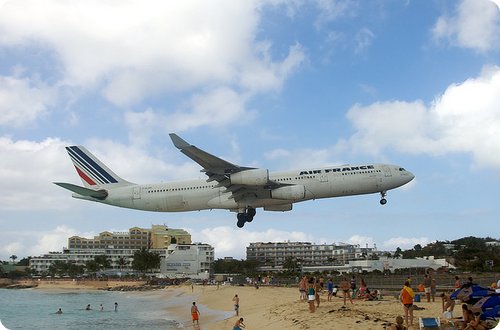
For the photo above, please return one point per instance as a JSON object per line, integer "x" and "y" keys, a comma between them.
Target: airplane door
{"x": 136, "y": 193}
{"x": 323, "y": 177}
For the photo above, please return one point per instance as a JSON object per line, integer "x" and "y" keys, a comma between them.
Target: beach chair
{"x": 429, "y": 323}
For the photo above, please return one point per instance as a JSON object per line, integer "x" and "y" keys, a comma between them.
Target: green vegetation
{"x": 467, "y": 253}
{"x": 145, "y": 261}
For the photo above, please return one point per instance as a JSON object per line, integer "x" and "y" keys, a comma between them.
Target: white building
{"x": 274, "y": 254}
{"x": 383, "y": 264}
{"x": 187, "y": 260}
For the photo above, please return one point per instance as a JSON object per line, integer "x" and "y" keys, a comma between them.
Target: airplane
{"x": 229, "y": 186}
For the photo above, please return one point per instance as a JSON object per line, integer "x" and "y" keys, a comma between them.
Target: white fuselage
{"x": 318, "y": 183}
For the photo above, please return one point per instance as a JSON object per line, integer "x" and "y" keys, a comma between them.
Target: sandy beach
{"x": 272, "y": 307}
{"x": 280, "y": 308}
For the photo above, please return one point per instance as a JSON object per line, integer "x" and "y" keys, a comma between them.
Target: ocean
{"x": 36, "y": 309}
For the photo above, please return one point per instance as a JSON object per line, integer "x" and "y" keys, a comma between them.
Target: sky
{"x": 274, "y": 84}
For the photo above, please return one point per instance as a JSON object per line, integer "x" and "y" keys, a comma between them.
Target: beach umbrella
{"x": 488, "y": 302}
{"x": 471, "y": 294}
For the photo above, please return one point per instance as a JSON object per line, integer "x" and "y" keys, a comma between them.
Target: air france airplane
{"x": 236, "y": 188}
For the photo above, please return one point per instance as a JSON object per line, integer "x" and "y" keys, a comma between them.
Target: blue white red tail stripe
{"x": 88, "y": 169}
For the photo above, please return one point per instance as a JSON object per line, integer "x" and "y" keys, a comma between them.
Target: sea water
{"x": 36, "y": 309}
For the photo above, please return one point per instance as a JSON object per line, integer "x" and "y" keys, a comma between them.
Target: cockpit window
{"x": 401, "y": 169}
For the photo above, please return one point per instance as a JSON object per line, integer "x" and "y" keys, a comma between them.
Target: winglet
{"x": 178, "y": 142}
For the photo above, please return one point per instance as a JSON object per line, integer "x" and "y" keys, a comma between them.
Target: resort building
{"x": 274, "y": 254}
{"x": 174, "y": 246}
{"x": 158, "y": 237}
{"x": 188, "y": 260}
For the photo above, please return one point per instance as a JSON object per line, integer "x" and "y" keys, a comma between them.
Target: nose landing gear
{"x": 246, "y": 216}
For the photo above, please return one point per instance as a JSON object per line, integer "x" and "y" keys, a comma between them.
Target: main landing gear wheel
{"x": 246, "y": 216}
{"x": 383, "y": 201}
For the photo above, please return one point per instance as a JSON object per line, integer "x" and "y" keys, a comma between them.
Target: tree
{"x": 145, "y": 261}
{"x": 13, "y": 257}
{"x": 290, "y": 264}
{"x": 58, "y": 268}
{"x": 24, "y": 261}
{"x": 122, "y": 262}
{"x": 102, "y": 261}
{"x": 398, "y": 253}
{"x": 91, "y": 266}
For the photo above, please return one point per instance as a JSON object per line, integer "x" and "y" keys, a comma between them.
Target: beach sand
{"x": 280, "y": 308}
{"x": 272, "y": 307}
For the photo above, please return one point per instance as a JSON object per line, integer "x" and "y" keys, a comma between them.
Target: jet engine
{"x": 256, "y": 177}
{"x": 292, "y": 193}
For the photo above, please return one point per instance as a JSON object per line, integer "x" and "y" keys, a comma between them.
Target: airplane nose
{"x": 410, "y": 175}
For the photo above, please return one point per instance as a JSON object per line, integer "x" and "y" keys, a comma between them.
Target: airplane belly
{"x": 176, "y": 203}
{"x": 222, "y": 201}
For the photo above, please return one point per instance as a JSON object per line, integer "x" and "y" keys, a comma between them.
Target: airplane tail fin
{"x": 91, "y": 170}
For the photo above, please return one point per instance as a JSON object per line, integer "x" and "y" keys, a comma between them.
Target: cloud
{"x": 230, "y": 241}
{"x": 475, "y": 25}
{"x": 35, "y": 243}
{"x": 360, "y": 240}
{"x": 23, "y": 101}
{"x": 31, "y": 164}
{"x": 28, "y": 168}
{"x": 216, "y": 108}
{"x": 404, "y": 243}
{"x": 364, "y": 39}
{"x": 464, "y": 119}
{"x": 135, "y": 49}
{"x": 330, "y": 10}
{"x": 54, "y": 240}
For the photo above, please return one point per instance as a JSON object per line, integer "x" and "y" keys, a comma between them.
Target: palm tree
{"x": 122, "y": 262}
{"x": 13, "y": 257}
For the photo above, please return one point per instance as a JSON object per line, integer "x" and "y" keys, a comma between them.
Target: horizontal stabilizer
{"x": 99, "y": 194}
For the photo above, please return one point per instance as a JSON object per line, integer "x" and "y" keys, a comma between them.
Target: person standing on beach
{"x": 345, "y": 287}
{"x": 329, "y": 286}
{"x": 116, "y": 306}
{"x": 195, "y": 313}
{"x": 433, "y": 290}
{"x": 317, "y": 290}
{"x": 458, "y": 283}
{"x": 427, "y": 287}
{"x": 310, "y": 294}
{"x": 406, "y": 297}
{"x": 302, "y": 288}
{"x": 236, "y": 300}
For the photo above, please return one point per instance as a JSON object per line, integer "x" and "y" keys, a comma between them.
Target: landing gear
{"x": 246, "y": 216}
{"x": 383, "y": 201}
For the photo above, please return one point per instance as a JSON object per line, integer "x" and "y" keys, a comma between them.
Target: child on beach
{"x": 195, "y": 313}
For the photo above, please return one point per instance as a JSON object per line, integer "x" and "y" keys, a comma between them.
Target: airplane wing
{"x": 219, "y": 170}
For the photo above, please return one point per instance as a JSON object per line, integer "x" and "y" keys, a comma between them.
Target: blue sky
{"x": 273, "y": 84}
